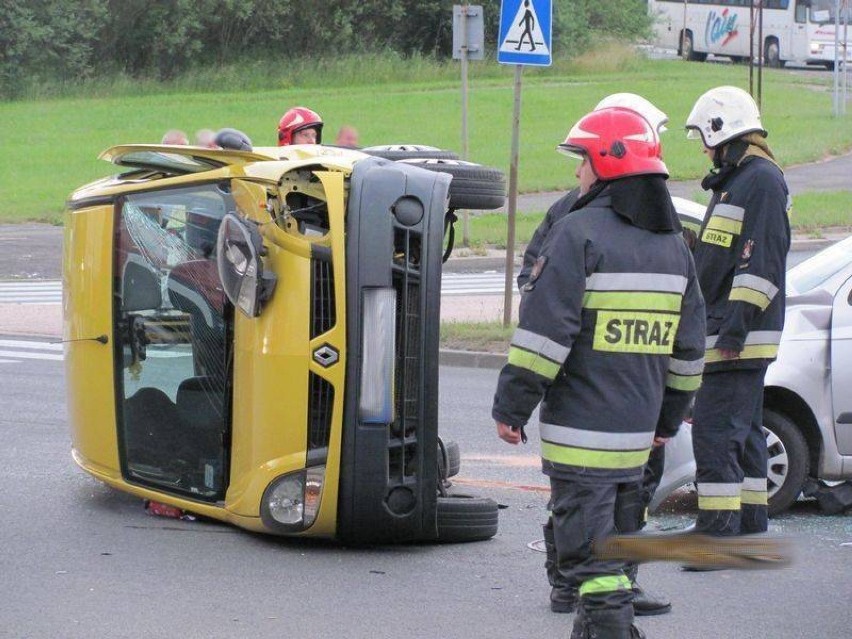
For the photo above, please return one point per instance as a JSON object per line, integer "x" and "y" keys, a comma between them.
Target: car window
{"x": 170, "y": 162}
{"x": 172, "y": 335}
{"x": 816, "y": 270}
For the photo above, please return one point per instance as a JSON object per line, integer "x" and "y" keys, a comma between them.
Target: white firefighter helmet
{"x": 640, "y": 105}
{"x": 722, "y": 114}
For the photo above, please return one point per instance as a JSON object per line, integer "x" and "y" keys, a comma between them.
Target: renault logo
{"x": 326, "y": 356}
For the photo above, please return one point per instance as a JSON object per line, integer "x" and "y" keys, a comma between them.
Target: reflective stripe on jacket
{"x": 740, "y": 258}
{"x": 611, "y": 337}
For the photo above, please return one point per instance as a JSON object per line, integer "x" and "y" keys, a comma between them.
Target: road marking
{"x": 31, "y": 292}
{"x": 526, "y": 461}
{"x": 31, "y": 344}
{"x": 13, "y": 351}
{"x": 473, "y": 283}
{"x": 485, "y": 483}
{"x": 27, "y": 355}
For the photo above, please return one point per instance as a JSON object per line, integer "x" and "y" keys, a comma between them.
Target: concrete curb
{"x": 472, "y": 359}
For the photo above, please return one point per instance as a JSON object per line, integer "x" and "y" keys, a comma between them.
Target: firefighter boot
{"x": 563, "y": 598}
{"x": 645, "y": 604}
{"x": 609, "y": 624}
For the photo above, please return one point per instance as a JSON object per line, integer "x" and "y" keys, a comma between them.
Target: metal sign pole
{"x": 845, "y": 56}
{"x": 751, "y": 50}
{"x": 761, "y": 59}
{"x": 464, "y": 43}
{"x": 837, "y": 60}
{"x": 513, "y": 200}
{"x": 683, "y": 34}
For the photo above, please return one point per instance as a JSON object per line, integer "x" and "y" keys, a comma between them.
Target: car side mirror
{"x": 239, "y": 248}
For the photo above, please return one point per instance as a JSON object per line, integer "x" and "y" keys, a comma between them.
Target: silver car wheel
{"x": 779, "y": 463}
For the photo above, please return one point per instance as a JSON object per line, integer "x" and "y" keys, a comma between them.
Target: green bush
{"x": 54, "y": 42}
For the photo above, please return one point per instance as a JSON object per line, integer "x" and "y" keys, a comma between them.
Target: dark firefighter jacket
{"x": 559, "y": 209}
{"x": 611, "y": 337}
{"x": 740, "y": 259}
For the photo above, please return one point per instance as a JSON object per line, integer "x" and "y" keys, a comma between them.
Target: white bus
{"x": 799, "y": 31}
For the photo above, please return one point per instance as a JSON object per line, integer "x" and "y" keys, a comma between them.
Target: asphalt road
{"x": 82, "y": 560}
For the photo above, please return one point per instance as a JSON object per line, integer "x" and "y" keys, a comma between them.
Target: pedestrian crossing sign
{"x": 525, "y": 33}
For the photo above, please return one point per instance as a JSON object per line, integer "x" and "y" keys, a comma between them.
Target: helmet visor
{"x": 692, "y": 133}
{"x": 575, "y": 152}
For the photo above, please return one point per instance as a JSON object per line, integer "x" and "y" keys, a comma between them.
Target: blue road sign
{"x": 525, "y": 32}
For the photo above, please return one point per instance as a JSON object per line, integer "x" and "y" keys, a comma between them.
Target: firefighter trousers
{"x": 582, "y": 512}
{"x": 730, "y": 453}
{"x": 631, "y": 512}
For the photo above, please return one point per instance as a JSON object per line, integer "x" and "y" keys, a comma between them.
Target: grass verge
{"x": 488, "y": 337}
{"x": 52, "y": 145}
{"x": 811, "y": 212}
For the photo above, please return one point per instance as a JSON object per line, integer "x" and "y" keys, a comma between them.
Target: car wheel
{"x": 462, "y": 518}
{"x": 473, "y": 187}
{"x": 788, "y": 462}
{"x": 688, "y": 49}
{"x": 397, "y": 152}
{"x": 772, "y": 55}
{"x": 449, "y": 457}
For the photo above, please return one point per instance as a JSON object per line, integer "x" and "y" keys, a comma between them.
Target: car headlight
{"x": 378, "y": 353}
{"x": 239, "y": 248}
{"x": 291, "y": 502}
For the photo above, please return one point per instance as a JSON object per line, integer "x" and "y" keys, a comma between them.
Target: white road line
{"x": 473, "y": 283}
{"x": 21, "y": 343}
{"x": 31, "y": 292}
{"x": 28, "y": 355}
{"x": 31, "y": 284}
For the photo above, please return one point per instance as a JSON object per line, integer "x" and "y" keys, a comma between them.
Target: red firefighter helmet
{"x": 296, "y": 119}
{"x": 618, "y": 142}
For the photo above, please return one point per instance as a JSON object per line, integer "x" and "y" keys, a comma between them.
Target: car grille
{"x": 403, "y": 431}
{"x": 323, "y": 315}
{"x": 321, "y": 394}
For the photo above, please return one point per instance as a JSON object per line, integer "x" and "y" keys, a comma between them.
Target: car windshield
{"x": 170, "y": 162}
{"x": 818, "y": 269}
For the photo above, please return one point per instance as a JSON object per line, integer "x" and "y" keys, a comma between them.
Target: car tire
{"x": 398, "y": 152}
{"x": 450, "y": 456}
{"x": 772, "y": 54}
{"x": 462, "y": 518}
{"x": 789, "y": 461}
{"x": 474, "y": 186}
{"x": 687, "y": 51}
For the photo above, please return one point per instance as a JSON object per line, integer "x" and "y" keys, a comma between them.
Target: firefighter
{"x": 300, "y": 125}
{"x": 611, "y": 335}
{"x": 563, "y": 598}
{"x": 740, "y": 259}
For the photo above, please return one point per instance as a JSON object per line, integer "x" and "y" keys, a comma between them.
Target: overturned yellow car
{"x": 252, "y": 336}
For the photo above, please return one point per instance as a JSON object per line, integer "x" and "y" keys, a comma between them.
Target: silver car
{"x": 808, "y": 389}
